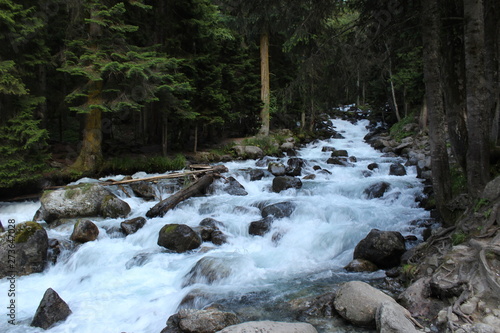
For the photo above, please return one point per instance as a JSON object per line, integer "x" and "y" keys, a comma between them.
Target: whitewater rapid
{"x": 132, "y": 285}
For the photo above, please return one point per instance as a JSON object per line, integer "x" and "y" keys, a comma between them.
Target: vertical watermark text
{"x": 11, "y": 278}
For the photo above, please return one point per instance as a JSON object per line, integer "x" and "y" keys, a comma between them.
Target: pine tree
{"x": 112, "y": 72}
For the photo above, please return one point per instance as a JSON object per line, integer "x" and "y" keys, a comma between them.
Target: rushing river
{"x": 131, "y": 285}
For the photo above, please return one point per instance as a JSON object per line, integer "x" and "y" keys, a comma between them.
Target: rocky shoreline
{"x": 439, "y": 285}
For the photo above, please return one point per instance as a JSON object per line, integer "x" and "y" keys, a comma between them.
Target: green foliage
{"x": 458, "y": 238}
{"x": 23, "y": 146}
{"x": 480, "y": 204}
{"x": 409, "y": 271}
{"x": 129, "y": 165}
{"x": 397, "y": 130}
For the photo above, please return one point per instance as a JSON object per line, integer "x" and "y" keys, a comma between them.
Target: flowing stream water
{"x": 132, "y": 285}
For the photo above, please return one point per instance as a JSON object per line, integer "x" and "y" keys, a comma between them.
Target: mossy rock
{"x": 25, "y": 230}
{"x": 179, "y": 238}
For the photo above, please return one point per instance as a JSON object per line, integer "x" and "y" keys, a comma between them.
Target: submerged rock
{"x": 132, "y": 226}
{"x": 208, "y": 270}
{"x": 397, "y": 169}
{"x": 261, "y": 227}
{"x": 51, "y": 310}
{"x": 276, "y": 168}
{"x": 361, "y": 265}
{"x": 179, "y": 238}
{"x": 376, "y": 190}
{"x": 31, "y": 247}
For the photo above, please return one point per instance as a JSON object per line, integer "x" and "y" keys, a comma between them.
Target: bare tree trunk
{"x": 478, "y": 154}
{"x": 265, "y": 83}
{"x": 441, "y": 178}
{"x": 90, "y": 157}
{"x": 393, "y": 91}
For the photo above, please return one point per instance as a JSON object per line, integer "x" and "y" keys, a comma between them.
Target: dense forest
{"x": 85, "y": 82}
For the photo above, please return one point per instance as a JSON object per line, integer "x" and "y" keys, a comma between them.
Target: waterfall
{"x": 132, "y": 285}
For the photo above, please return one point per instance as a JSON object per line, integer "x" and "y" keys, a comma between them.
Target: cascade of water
{"x": 131, "y": 285}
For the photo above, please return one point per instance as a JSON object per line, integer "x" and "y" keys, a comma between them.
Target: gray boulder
{"x": 276, "y": 168}
{"x": 376, "y": 190}
{"x": 339, "y": 153}
{"x": 179, "y": 238}
{"x": 270, "y": 327}
{"x": 383, "y": 248}
{"x": 256, "y": 174}
{"x": 84, "y": 231}
{"x": 31, "y": 245}
{"x": 143, "y": 190}
{"x": 133, "y": 225}
{"x": 392, "y": 318}
{"x": 86, "y": 200}
{"x": 417, "y": 299}
{"x": 251, "y": 152}
{"x": 200, "y": 321}
{"x": 285, "y": 182}
{"x": 52, "y": 309}
{"x": 492, "y": 190}
{"x": 397, "y": 169}
{"x": 357, "y": 302}
{"x": 233, "y": 187}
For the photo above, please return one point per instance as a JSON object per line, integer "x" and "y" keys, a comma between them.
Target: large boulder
{"x": 285, "y": 182}
{"x": 200, "y": 321}
{"x": 276, "y": 168}
{"x": 31, "y": 244}
{"x": 86, "y": 200}
{"x": 261, "y": 227}
{"x": 492, "y": 190}
{"x": 357, "y": 302}
{"x": 383, "y": 248}
{"x": 250, "y": 152}
{"x": 417, "y": 299}
{"x": 52, "y": 309}
{"x": 131, "y": 226}
{"x": 84, "y": 231}
{"x": 143, "y": 189}
{"x": 270, "y": 327}
{"x": 376, "y": 190}
{"x": 278, "y": 210}
{"x": 179, "y": 238}
{"x": 392, "y": 318}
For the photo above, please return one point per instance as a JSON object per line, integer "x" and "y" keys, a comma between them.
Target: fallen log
{"x": 199, "y": 187}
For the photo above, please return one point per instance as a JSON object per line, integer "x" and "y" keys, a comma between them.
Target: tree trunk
{"x": 454, "y": 73}
{"x": 90, "y": 157}
{"x": 393, "y": 91}
{"x": 478, "y": 172}
{"x": 164, "y": 135}
{"x": 265, "y": 83}
{"x": 441, "y": 178}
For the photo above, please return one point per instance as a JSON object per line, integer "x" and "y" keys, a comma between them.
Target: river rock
{"x": 295, "y": 166}
{"x": 372, "y": 166}
{"x": 51, "y": 310}
{"x": 233, "y": 187}
{"x": 200, "y": 321}
{"x": 342, "y": 161}
{"x": 397, "y": 169}
{"x": 357, "y": 302}
{"x": 250, "y": 152}
{"x": 86, "y": 200}
{"x": 113, "y": 207}
{"x": 84, "y": 231}
{"x": 30, "y": 242}
{"x": 391, "y": 318}
{"x": 339, "y": 153}
{"x": 361, "y": 265}
{"x": 492, "y": 190}
{"x": 383, "y": 248}
{"x": 256, "y": 174}
{"x": 376, "y": 190}
{"x": 285, "y": 182}
{"x": 416, "y": 298}
{"x": 270, "y": 327}
{"x": 143, "y": 189}
{"x": 208, "y": 270}
{"x": 179, "y": 238}
{"x": 264, "y": 161}
{"x": 278, "y": 210}
{"x": 131, "y": 226}
{"x": 261, "y": 227}
{"x": 276, "y": 168}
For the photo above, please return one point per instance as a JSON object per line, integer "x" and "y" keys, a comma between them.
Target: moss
{"x": 458, "y": 238}
{"x": 169, "y": 228}
{"x": 71, "y": 193}
{"x": 25, "y": 230}
{"x": 397, "y": 131}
